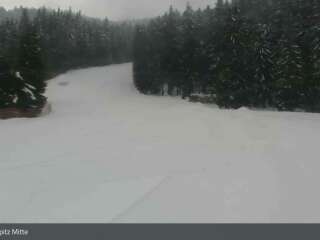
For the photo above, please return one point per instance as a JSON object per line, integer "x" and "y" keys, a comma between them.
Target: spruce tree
{"x": 30, "y": 69}
{"x": 262, "y": 65}
{"x": 6, "y": 91}
{"x": 171, "y": 39}
{"x": 255, "y": 53}
{"x": 288, "y": 90}
{"x": 234, "y": 82}
{"x": 314, "y": 103}
{"x": 188, "y": 56}
{"x": 202, "y": 58}
{"x": 141, "y": 72}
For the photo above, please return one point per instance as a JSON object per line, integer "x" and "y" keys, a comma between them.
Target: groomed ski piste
{"x": 107, "y": 154}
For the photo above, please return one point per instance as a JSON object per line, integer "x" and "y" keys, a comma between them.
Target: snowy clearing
{"x": 108, "y": 154}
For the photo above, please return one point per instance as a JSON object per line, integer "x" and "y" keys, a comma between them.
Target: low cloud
{"x": 113, "y": 9}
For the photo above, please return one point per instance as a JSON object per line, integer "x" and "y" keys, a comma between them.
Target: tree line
{"x": 253, "y": 53}
{"x": 38, "y": 44}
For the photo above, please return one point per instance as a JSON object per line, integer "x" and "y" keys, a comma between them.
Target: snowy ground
{"x": 109, "y": 154}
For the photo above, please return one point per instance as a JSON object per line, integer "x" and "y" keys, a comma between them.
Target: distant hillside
{"x": 15, "y": 13}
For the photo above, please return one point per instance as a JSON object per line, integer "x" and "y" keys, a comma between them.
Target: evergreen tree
{"x": 234, "y": 80}
{"x": 202, "y": 58}
{"x": 262, "y": 65}
{"x": 314, "y": 84}
{"x": 188, "y": 56}
{"x": 6, "y": 97}
{"x": 30, "y": 68}
{"x": 140, "y": 57}
{"x": 171, "y": 51}
{"x": 289, "y": 77}
{"x": 254, "y": 53}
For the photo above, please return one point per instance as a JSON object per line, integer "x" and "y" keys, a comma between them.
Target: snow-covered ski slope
{"x": 109, "y": 154}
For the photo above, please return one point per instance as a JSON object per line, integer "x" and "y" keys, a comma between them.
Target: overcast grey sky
{"x": 113, "y": 9}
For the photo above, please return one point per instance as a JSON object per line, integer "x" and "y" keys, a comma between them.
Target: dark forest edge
{"x": 38, "y": 44}
{"x": 244, "y": 53}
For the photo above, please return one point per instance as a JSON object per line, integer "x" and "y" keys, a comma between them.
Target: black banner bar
{"x": 160, "y": 231}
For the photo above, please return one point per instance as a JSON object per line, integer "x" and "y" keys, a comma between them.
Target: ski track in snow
{"x": 109, "y": 154}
